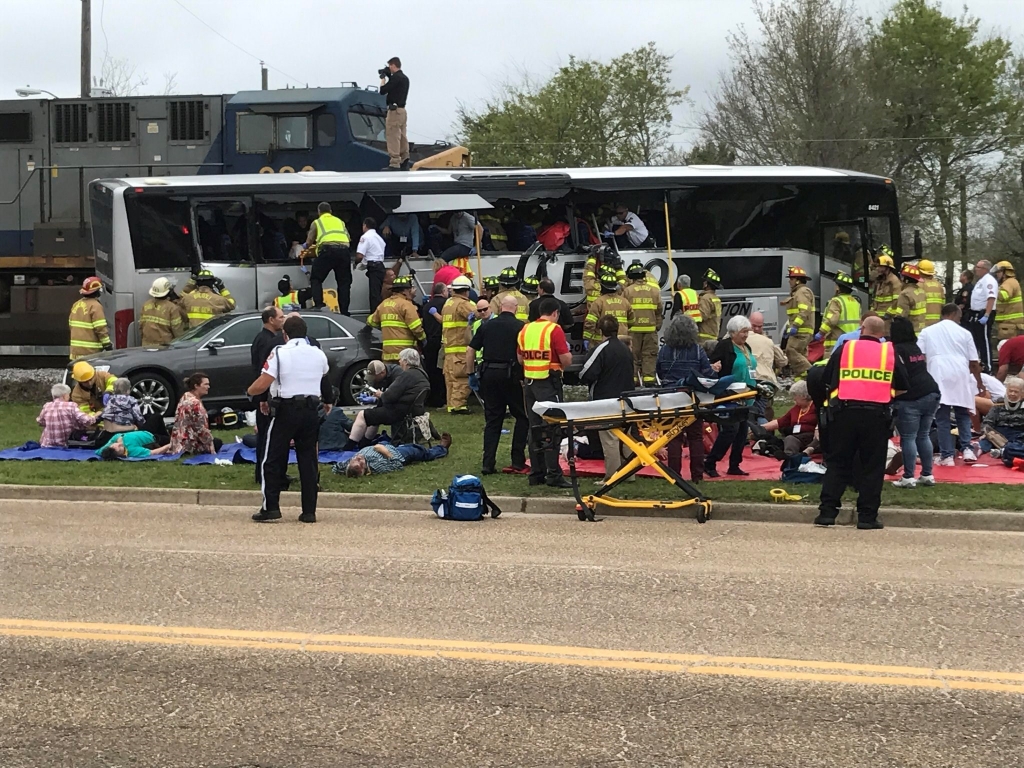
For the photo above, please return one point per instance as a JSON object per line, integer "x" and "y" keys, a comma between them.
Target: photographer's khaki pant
{"x": 397, "y": 138}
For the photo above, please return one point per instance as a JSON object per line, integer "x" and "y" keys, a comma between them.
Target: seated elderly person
{"x": 380, "y": 376}
{"x": 60, "y": 418}
{"x": 381, "y": 459}
{"x": 92, "y": 387}
{"x": 798, "y": 423}
{"x": 396, "y": 402}
{"x": 122, "y": 412}
{"x": 132, "y": 445}
{"x": 1005, "y": 422}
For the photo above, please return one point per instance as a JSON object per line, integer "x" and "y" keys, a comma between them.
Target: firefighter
{"x": 933, "y": 288}
{"x": 1009, "y": 306}
{"x": 398, "y": 319}
{"x": 842, "y": 315}
{"x": 92, "y": 388}
{"x": 886, "y": 287}
{"x": 205, "y": 297}
{"x": 600, "y": 256}
{"x": 645, "y": 301}
{"x": 861, "y": 379}
{"x": 686, "y": 300}
{"x": 87, "y": 322}
{"x": 162, "y": 320}
{"x": 608, "y": 303}
{"x": 508, "y": 278}
{"x": 531, "y": 287}
{"x": 455, "y": 319}
{"x": 800, "y": 310}
{"x": 710, "y": 308}
{"x": 912, "y": 303}
{"x": 491, "y": 287}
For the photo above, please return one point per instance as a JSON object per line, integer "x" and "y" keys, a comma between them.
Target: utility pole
{"x": 263, "y": 76}
{"x": 86, "y": 48}
{"x": 963, "y": 220}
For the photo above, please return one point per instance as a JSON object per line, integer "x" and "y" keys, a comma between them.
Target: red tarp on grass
{"x": 987, "y": 470}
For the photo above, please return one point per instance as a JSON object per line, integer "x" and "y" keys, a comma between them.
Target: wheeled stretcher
{"x": 644, "y": 421}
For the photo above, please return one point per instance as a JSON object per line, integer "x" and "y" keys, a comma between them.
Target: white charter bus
{"x": 747, "y": 223}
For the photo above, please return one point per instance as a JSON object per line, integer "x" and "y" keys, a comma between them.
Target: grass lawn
{"x": 19, "y": 425}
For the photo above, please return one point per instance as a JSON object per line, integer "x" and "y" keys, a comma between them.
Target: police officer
{"x": 800, "y": 310}
{"x": 544, "y": 353}
{"x": 266, "y": 340}
{"x": 205, "y": 297}
{"x": 330, "y": 235}
{"x": 686, "y": 300}
{"x": 842, "y": 315}
{"x": 645, "y": 301}
{"x": 862, "y": 378}
{"x": 710, "y": 307}
{"x": 608, "y": 303}
{"x": 455, "y": 319}
{"x": 293, "y": 373}
{"x": 87, "y": 322}
{"x": 501, "y": 384}
{"x": 509, "y": 280}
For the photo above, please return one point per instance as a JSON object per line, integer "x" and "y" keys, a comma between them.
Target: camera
{"x": 384, "y": 72}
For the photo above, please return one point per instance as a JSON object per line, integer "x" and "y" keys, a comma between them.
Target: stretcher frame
{"x": 656, "y": 428}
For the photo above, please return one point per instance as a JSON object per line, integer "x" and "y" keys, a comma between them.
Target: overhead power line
{"x": 250, "y": 54}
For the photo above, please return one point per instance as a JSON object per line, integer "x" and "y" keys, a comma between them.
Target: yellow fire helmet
{"x": 886, "y": 261}
{"x": 1006, "y": 267}
{"x": 926, "y": 267}
{"x": 82, "y": 372}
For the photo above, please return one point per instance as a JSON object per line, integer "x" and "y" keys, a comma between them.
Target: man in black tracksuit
{"x": 501, "y": 384}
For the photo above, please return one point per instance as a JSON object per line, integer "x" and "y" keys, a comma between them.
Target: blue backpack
{"x": 466, "y": 499}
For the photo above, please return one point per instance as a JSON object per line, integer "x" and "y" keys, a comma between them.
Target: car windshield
{"x": 192, "y": 335}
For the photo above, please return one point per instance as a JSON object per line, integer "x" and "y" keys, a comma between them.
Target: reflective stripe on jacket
{"x": 88, "y": 327}
{"x": 455, "y": 324}
{"x": 645, "y": 301}
{"x": 400, "y": 325}
{"x": 535, "y": 347}
{"x": 330, "y": 229}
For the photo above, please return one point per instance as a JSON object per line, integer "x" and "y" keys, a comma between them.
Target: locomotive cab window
{"x": 16, "y": 127}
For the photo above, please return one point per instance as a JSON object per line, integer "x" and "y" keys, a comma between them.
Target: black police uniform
{"x": 856, "y": 435}
{"x": 262, "y": 346}
{"x": 501, "y": 387}
{"x": 298, "y": 369}
{"x": 565, "y": 318}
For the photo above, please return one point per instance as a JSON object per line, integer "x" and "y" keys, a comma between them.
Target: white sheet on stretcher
{"x": 592, "y": 409}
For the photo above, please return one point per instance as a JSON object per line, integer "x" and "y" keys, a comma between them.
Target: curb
{"x": 964, "y": 520}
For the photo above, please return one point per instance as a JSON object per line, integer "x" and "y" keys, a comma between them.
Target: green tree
{"x": 950, "y": 103}
{"x": 794, "y": 94}
{"x": 588, "y": 113}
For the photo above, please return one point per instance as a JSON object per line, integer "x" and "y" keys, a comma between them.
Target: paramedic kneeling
{"x": 862, "y": 377}
{"x": 544, "y": 354}
{"x": 292, "y": 373}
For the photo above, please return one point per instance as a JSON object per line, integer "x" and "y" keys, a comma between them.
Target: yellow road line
{"x": 554, "y": 655}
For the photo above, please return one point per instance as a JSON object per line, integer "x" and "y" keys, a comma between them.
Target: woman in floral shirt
{"x": 191, "y": 432}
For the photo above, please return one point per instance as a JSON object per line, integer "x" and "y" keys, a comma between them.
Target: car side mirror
{"x": 214, "y": 344}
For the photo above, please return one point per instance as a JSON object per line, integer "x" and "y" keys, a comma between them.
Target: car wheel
{"x": 352, "y": 382}
{"x": 154, "y": 393}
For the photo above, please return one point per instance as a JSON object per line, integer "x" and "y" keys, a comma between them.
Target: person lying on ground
{"x": 798, "y": 423}
{"x": 1005, "y": 422}
{"x": 191, "y": 431}
{"x": 122, "y": 412}
{"x": 132, "y": 445}
{"x": 381, "y": 459}
{"x": 60, "y": 418}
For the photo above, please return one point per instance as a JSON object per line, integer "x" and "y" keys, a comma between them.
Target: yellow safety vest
{"x": 330, "y": 229}
{"x": 535, "y": 346}
{"x": 690, "y": 303}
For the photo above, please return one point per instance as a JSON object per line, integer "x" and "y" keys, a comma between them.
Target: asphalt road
{"x": 175, "y": 636}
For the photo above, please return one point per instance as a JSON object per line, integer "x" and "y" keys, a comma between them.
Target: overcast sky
{"x": 452, "y": 50}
